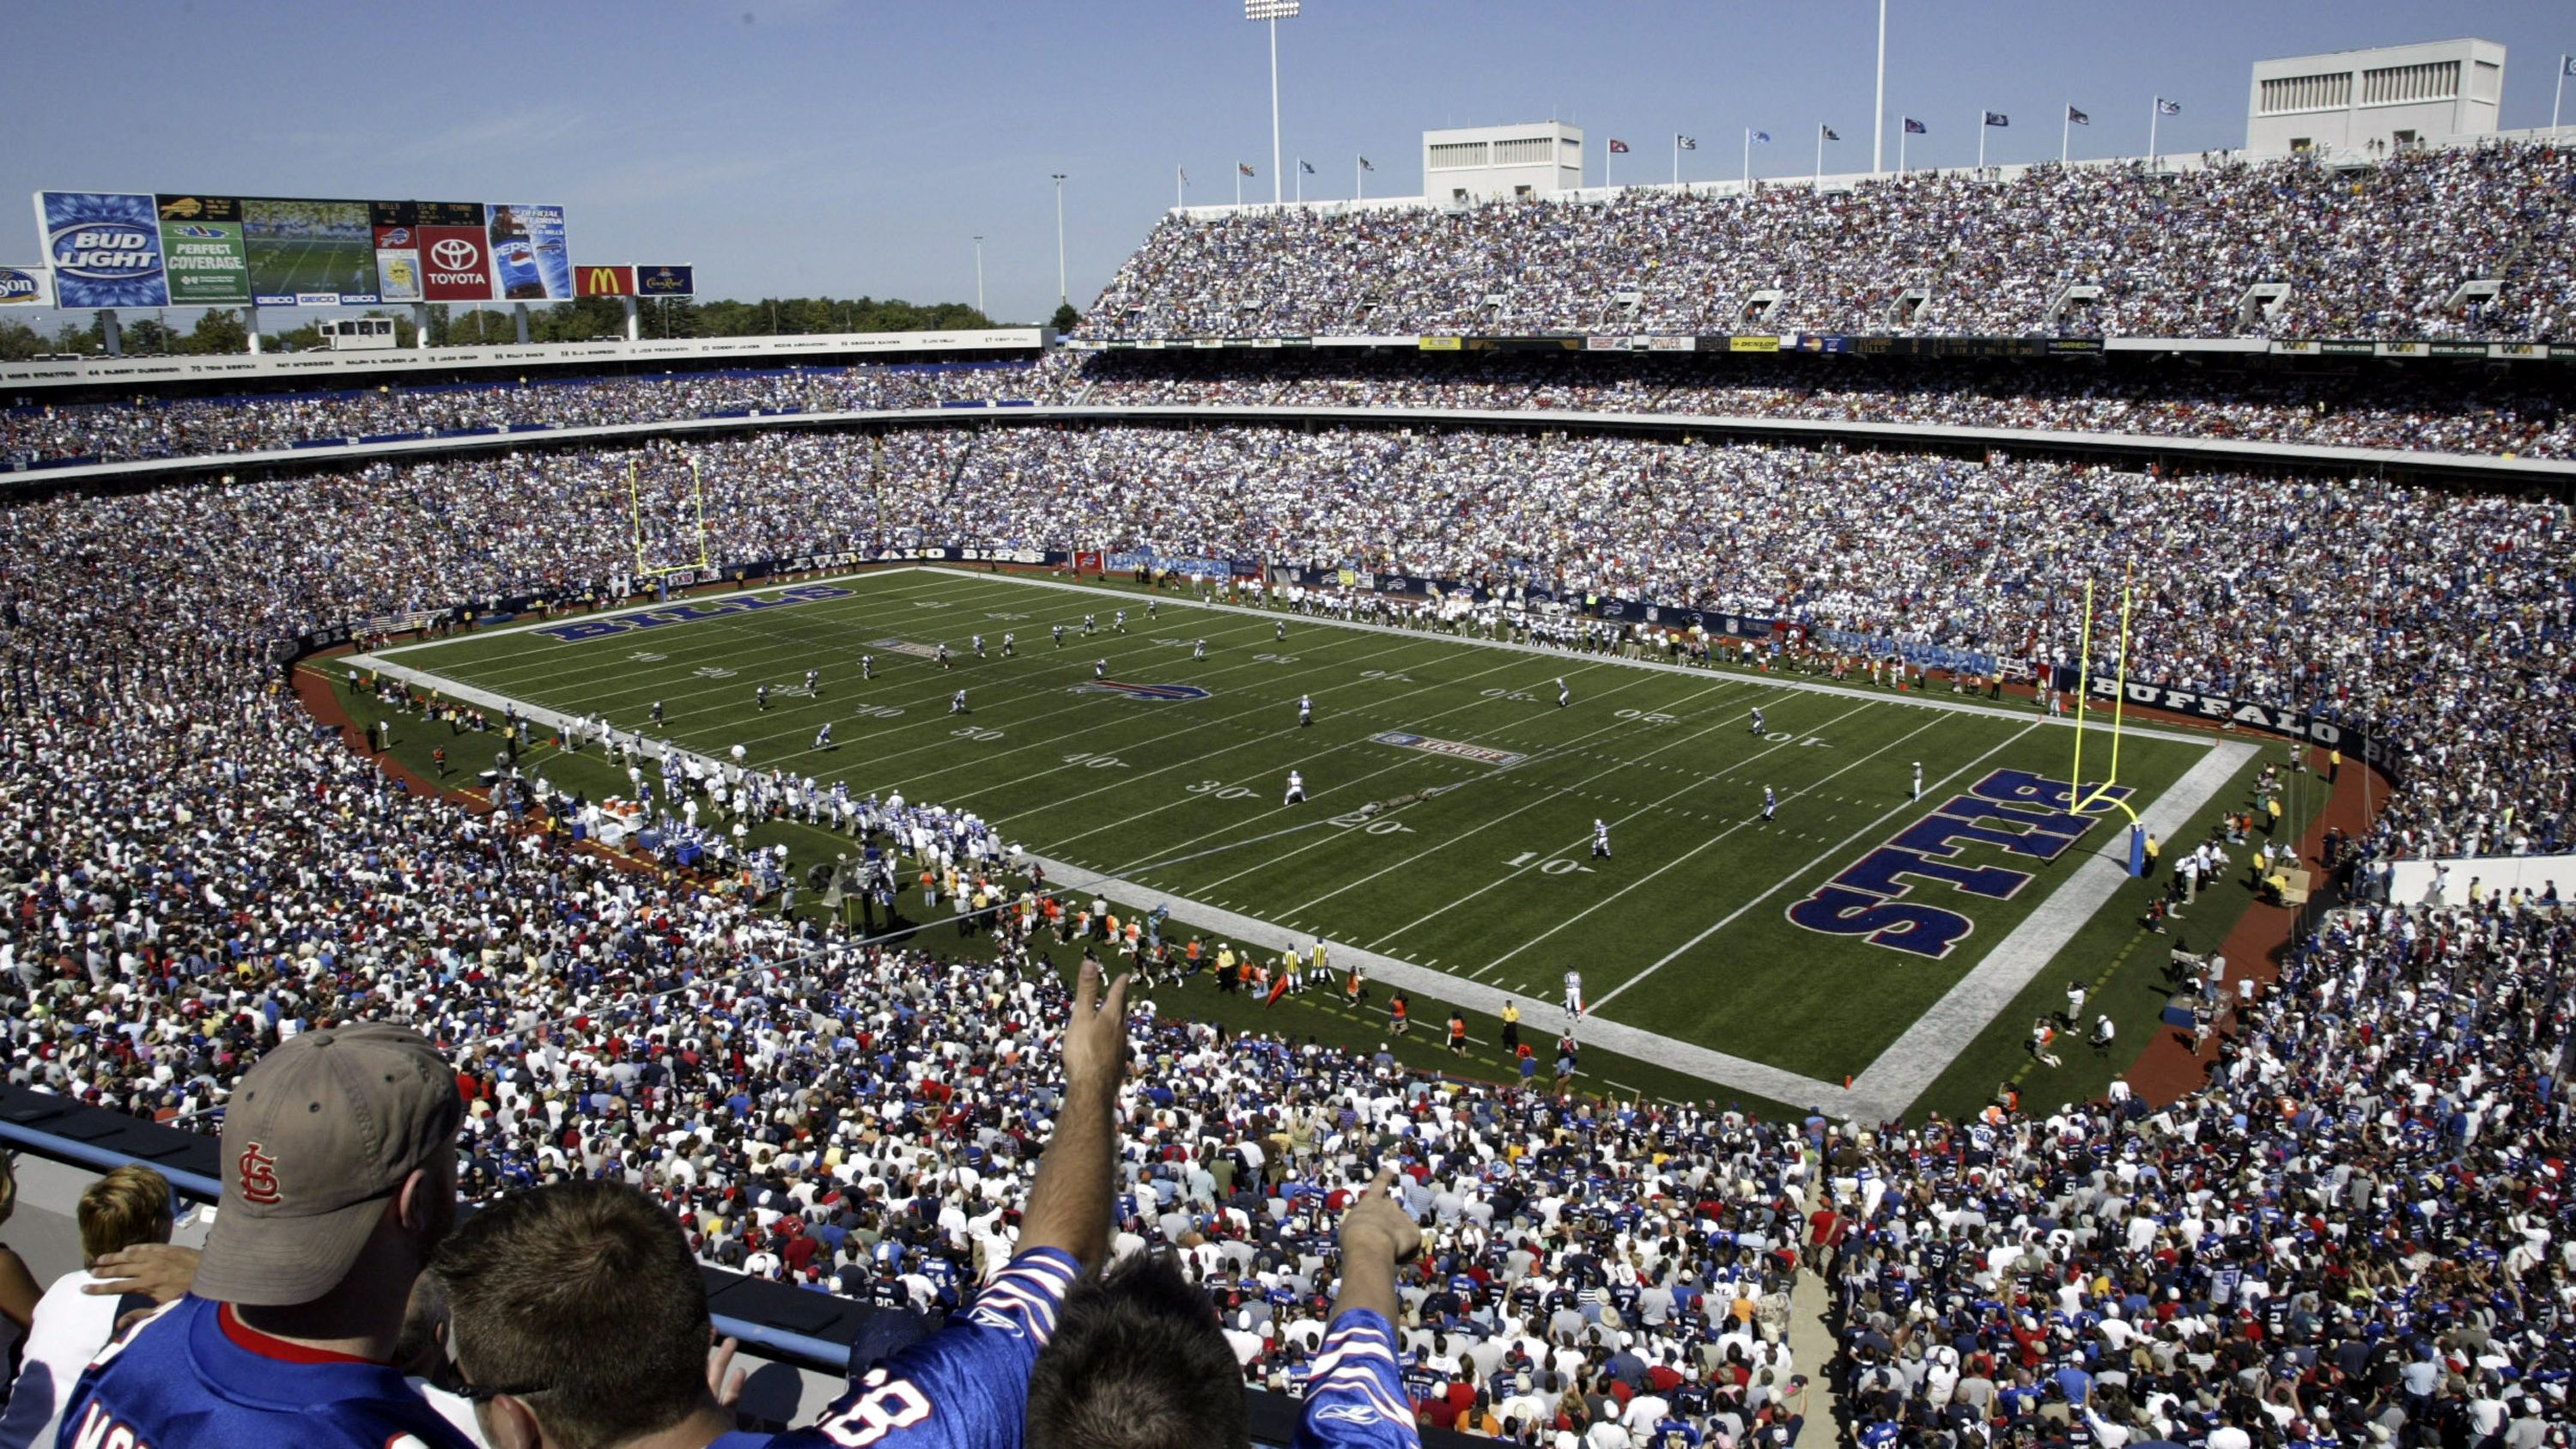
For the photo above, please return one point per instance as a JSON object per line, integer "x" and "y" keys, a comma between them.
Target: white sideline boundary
{"x": 1883, "y": 1090}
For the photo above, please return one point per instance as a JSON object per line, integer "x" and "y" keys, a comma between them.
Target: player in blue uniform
{"x": 594, "y": 1263}
{"x": 339, "y": 1162}
{"x": 1770, "y": 802}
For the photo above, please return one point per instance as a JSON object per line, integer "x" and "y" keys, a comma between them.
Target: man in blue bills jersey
{"x": 339, "y": 1181}
{"x": 579, "y": 1317}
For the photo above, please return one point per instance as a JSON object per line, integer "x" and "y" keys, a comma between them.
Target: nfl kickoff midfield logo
{"x": 1141, "y": 691}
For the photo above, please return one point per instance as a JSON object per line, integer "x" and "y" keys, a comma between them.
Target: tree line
{"x": 223, "y": 330}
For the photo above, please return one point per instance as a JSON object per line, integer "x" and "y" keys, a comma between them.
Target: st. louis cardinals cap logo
{"x": 258, "y": 1176}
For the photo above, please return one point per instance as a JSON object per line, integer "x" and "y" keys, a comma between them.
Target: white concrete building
{"x": 1479, "y": 163}
{"x": 2364, "y": 103}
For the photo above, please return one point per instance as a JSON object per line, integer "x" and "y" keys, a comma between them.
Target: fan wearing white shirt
{"x": 127, "y": 1207}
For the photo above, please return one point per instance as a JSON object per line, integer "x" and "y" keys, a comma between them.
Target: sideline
{"x": 1882, "y": 1091}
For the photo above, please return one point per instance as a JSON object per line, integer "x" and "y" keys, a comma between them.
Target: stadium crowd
{"x": 2356, "y": 1234}
{"x": 2429, "y": 414}
{"x": 186, "y": 427}
{"x": 2440, "y": 412}
{"x": 2377, "y": 251}
{"x": 199, "y": 874}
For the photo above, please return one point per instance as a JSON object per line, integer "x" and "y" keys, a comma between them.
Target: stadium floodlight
{"x": 1061, "y": 299}
{"x": 1272, "y": 11}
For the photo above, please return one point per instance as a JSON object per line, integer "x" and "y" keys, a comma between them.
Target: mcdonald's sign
{"x": 589, "y": 281}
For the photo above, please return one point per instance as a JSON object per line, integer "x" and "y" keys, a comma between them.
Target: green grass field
{"x": 1470, "y": 860}
{"x": 312, "y": 264}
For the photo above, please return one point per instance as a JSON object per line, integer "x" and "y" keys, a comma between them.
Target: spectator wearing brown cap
{"x": 339, "y": 1180}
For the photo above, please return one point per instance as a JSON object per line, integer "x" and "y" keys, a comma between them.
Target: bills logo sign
{"x": 2021, "y": 814}
{"x": 1141, "y": 691}
{"x": 581, "y": 629}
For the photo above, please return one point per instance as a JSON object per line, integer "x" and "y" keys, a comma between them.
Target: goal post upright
{"x": 2083, "y": 682}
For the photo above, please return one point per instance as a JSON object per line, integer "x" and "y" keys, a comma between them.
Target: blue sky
{"x": 800, "y": 146}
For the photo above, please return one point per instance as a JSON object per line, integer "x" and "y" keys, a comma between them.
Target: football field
{"x": 1447, "y": 841}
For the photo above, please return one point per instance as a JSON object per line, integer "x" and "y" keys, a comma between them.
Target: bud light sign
{"x": 104, "y": 248}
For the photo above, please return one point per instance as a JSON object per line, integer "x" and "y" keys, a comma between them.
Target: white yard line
{"x": 1882, "y": 1091}
{"x": 1828, "y": 853}
{"x": 1536, "y": 1015}
{"x": 1915, "y": 1060}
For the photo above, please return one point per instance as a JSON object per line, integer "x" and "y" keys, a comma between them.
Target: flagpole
{"x": 1301, "y": 181}
{"x": 1900, "y": 150}
{"x": 2065, "y": 129}
{"x": 1878, "y": 127}
{"x": 1981, "y": 140}
{"x": 1748, "y": 160}
{"x": 1677, "y": 158}
{"x": 1274, "y": 110}
{"x": 1820, "y": 158}
{"x": 2555, "y": 96}
{"x": 1238, "y": 183}
{"x": 2155, "y": 109}
{"x": 1180, "y": 188}
{"x": 1359, "y": 178}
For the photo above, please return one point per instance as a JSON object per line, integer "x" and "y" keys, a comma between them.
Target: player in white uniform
{"x": 814, "y": 682}
{"x": 1600, "y": 839}
{"x": 979, "y": 646}
{"x": 1100, "y": 669}
{"x": 867, "y": 666}
{"x": 1770, "y": 802}
{"x": 1574, "y": 993}
{"x": 957, "y": 702}
{"x": 1305, "y": 710}
{"x": 1122, "y": 621}
{"x": 1059, "y": 636}
{"x": 823, "y": 736}
{"x": 1010, "y": 645}
{"x": 1199, "y": 650}
{"x": 1918, "y": 780}
{"x": 1564, "y": 696}
{"x": 944, "y": 661}
{"x": 761, "y": 693}
{"x": 1759, "y": 728}
{"x": 1296, "y": 789}
{"x": 1279, "y": 629}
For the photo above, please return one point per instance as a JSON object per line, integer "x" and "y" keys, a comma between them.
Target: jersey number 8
{"x": 886, "y": 1405}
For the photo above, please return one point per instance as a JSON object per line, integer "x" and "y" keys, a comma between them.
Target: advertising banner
{"x": 25, "y": 287}
{"x": 455, "y": 264}
{"x": 398, "y": 263}
{"x": 530, "y": 262}
{"x": 104, "y": 248}
{"x": 666, "y": 281}
{"x": 595, "y": 281}
{"x": 203, "y": 251}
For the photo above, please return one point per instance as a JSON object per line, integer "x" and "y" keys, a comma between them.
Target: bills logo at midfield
{"x": 1141, "y": 691}
{"x": 2013, "y": 811}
